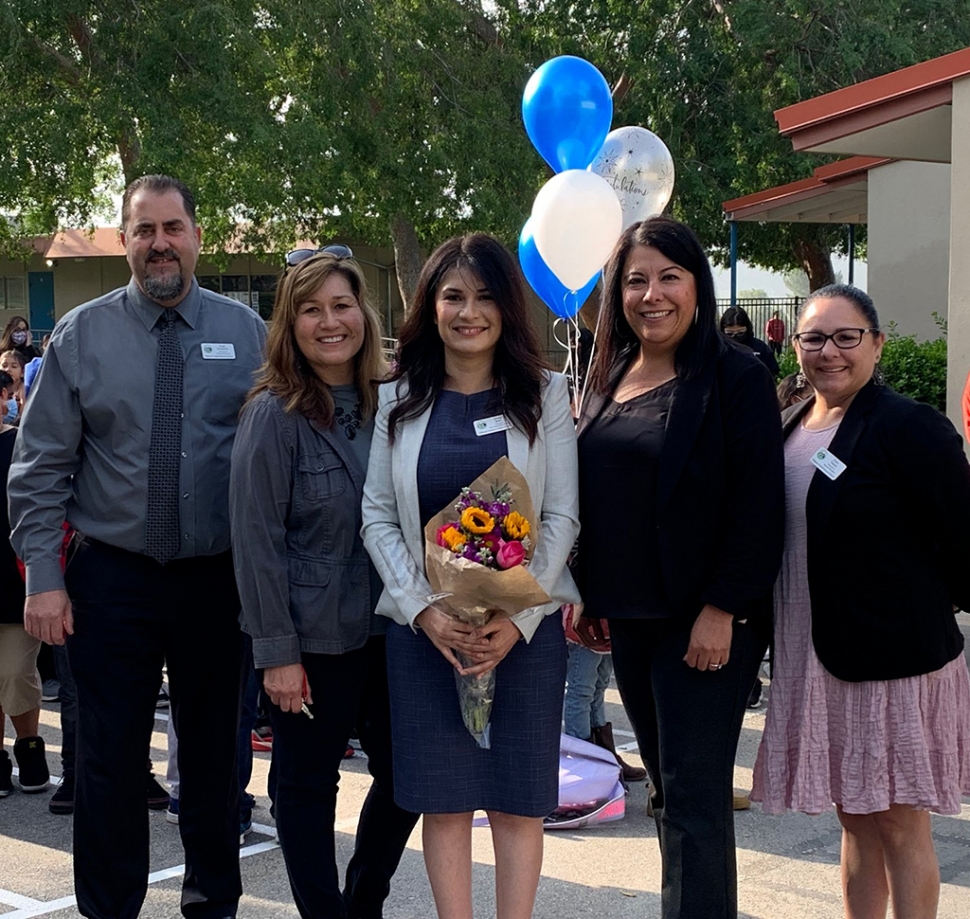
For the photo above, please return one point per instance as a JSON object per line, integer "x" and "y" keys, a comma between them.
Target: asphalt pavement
{"x": 788, "y": 866}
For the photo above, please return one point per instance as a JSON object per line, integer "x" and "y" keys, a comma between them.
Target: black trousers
{"x": 131, "y": 615}
{"x": 349, "y": 690}
{"x": 687, "y": 724}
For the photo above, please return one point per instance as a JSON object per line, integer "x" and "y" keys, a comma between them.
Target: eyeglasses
{"x": 737, "y": 335}
{"x": 844, "y": 339}
{"x": 295, "y": 256}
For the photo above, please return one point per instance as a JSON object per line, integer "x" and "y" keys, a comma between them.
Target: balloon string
{"x": 592, "y": 354}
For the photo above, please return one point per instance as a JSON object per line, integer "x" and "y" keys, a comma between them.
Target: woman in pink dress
{"x": 870, "y": 701}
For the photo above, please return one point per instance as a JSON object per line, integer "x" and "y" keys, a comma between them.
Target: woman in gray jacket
{"x": 307, "y": 587}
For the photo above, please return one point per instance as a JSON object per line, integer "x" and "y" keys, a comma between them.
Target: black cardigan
{"x": 720, "y": 490}
{"x": 888, "y": 540}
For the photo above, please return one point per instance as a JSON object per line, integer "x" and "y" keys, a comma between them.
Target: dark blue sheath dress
{"x": 438, "y": 766}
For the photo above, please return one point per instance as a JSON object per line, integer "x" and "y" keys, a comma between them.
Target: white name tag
{"x": 218, "y": 351}
{"x": 492, "y": 425}
{"x": 829, "y": 463}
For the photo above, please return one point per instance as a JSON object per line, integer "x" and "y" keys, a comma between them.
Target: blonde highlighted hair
{"x": 287, "y": 373}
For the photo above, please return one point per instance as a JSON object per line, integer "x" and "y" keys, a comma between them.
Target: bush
{"x": 917, "y": 368}
{"x": 914, "y": 368}
{"x": 787, "y": 364}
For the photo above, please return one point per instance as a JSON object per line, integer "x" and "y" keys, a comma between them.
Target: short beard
{"x": 164, "y": 289}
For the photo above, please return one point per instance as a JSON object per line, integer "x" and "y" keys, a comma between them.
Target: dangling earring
{"x": 800, "y": 380}
{"x": 696, "y": 314}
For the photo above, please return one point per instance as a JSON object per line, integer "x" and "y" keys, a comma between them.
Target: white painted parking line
{"x": 51, "y": 906}
{"x": 9, "y": 898}
{"x": 28, "y": 908}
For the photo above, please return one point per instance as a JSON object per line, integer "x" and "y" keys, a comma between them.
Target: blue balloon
{"x": 567, "y": 109}
{"x": 562, "y": 301}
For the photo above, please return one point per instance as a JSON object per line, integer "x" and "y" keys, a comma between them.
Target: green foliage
{"x": 914, "y": 368}
{"x": 706, "y": 77}
{"x": 787, "y": 363}
{"x": 323, "y": 118}
{"x": 917, "y": 368}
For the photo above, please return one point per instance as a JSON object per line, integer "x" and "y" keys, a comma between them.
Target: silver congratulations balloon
{"x": 640, "y": 168}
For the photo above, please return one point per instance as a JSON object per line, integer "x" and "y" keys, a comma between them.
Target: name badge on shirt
{"x": 492, "y": 425}
{"x": 829, "y": 463}
{"x": 218, "y": 351}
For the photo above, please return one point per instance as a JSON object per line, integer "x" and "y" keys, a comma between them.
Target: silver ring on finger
{"x": 714, "y": 666}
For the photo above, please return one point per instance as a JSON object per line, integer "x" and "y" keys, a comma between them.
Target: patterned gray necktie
{"x": 162, "y": 519}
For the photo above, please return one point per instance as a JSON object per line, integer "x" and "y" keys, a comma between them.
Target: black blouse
{"x": 619, "y": 461}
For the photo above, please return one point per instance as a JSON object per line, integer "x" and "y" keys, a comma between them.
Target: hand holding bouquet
{"x": 476, "y": 554}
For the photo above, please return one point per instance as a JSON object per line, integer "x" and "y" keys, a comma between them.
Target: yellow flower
{"x": 453, "y": 539}
{"x": 476, "y": 520}
{"x": 516, "y": 525}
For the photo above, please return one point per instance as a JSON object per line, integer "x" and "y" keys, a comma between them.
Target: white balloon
{"x": 576, "y": 221}
{"x": 639, "y": 167}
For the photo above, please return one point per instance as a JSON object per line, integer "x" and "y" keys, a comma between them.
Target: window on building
{"x": 12, "y": 294}
{"x": 263, "y": 293}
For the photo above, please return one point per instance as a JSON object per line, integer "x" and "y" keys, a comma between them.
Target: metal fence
{"x": 761, "y": 309}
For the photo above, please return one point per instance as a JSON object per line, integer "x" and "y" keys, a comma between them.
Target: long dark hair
{"x": 13, "y": 323}
{"x": 738, "y": 315}
{"x": 519, "y": 361}
{"x": 617, "y": 342}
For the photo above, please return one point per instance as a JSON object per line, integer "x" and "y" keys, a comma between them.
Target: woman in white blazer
{"x": 468, "y": 353}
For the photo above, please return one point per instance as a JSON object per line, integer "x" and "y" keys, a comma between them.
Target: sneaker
{"x": 62, "y": 801}
{"x": 754, "y": 697}
{"x": 6, "y": 774}
{"x": 262, "y": 739}
{"x": 172, "y": 814}
{"x": 50, "y": 691}
{"x": 245, "y": 828}
{"x": 158, "y": 798}
{"x": 742, "y": 801}
{"x": 32, "y": 762}
{"x": 163, "y": 700}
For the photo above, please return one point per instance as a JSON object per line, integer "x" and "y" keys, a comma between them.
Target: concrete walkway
{"x": 788, "y": 865}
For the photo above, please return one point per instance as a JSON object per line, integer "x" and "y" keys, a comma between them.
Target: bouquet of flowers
{"x": 477, "y": 550}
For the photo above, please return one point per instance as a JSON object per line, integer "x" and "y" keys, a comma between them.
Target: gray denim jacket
{"x": 294, "y": 508}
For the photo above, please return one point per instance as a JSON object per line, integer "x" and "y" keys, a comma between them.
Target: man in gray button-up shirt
{"x": 82, "y": 458}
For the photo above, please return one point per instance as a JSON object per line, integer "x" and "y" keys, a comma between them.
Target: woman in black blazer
{"x": 681, "y": 501}
{"x": 870, "y": 700}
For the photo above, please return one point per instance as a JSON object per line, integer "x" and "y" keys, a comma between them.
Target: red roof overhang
{"x": 915, "y": 100}
{"x": 835, "y": 193}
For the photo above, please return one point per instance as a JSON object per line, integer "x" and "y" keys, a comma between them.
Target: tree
{"x": 400, "y": 120}
{"x": 300, "y": 119}
{"x": 706, "y": 76}
{"x": 753, "y": 294}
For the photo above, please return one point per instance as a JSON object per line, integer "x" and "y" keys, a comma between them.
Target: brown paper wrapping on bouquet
{"x": 472, "y": 592}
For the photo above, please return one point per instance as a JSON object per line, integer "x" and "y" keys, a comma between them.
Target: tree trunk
{"x": 407, "y": 257}
{"x": 816, "y": 259}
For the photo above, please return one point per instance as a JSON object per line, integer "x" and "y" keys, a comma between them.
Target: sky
{"x": 751, "y": 278}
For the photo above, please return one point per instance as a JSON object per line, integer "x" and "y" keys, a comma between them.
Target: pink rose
{"x": 510, "y": 554}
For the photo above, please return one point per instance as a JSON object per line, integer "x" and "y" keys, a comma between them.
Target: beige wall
{"x": 908, "y": 248}
{"x": 78, "y": 280}
{"x": 958, "y": 339}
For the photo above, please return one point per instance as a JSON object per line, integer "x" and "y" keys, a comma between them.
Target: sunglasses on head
{"x": 295, "y": 256}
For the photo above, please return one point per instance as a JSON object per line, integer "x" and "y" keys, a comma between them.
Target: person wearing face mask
{"x": 736, "y": 325}
{"x": 12, "y": 362}
{"x": 870, "y": 694}
{"x": 134, "y": 455}
{"x": 16, "y": 336}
